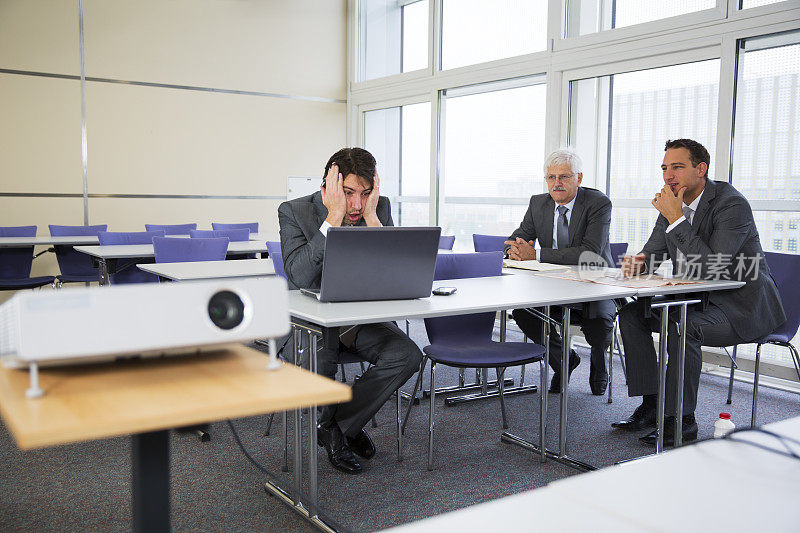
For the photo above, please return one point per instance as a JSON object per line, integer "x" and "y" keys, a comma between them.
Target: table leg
{"x": 150, "y": 473}
{"x": 298, "y": 430}
{"x": 681, "y": 366}
{"x": 102, "y": 268}
{"x": 312, "y": 432}
{"x": 662, "y": 379}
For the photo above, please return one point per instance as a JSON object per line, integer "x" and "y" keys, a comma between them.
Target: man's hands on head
{"x": 519, "y": 250}
{"x": 632, "y": 265}
{"x": 370, "y": 207}
{"x": 333, "y": 196}
{"x": 668, "y": 204}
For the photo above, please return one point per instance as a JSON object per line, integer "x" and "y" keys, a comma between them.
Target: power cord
{"x": 783, "y": 439}
{"x": 293, "y": 491}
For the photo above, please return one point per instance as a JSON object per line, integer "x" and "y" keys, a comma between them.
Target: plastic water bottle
{"x": 723, "y": 426}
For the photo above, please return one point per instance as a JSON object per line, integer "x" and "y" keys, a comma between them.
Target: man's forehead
{"x": 677, "y": 155}
{"x": 356, "y": 183}
{"x": 563, "y": 168}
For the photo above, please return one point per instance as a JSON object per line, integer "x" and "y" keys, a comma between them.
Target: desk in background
{"x": 197, "y": 270}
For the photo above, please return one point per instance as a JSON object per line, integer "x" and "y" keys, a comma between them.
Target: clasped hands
{"x": 520, "y": 250}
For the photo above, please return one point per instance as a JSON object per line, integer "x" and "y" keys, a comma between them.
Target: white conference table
{"x": 716, "y": 485}
{"x": 76, "y": 240}
{"x": 196, "y": 270}
{"x": 473, "y": 295}
{"x": 107, "y": 256}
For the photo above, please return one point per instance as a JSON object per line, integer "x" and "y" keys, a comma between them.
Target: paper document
{"x": 607, "y": 276}
{"x": 533, "y": 265}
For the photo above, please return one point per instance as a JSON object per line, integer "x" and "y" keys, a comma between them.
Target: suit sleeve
{"x": 595, "y": 238}
{"x": 386, "y": 219}
{"x": 526, "y": 229}
{"x": 655, "y": 249}
{"x": 302, "y": 257}
{"x": 732, "y": 223}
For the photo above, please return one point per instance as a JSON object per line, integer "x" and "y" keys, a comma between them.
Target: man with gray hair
{"x": 567, "y": 221}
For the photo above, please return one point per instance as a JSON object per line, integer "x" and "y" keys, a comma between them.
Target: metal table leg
{"x": 150, "y": 473}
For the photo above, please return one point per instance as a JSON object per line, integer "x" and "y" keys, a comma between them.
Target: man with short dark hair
{"x": 706, "y": 228}
{"x": 568, "y": 221}
{"x": 349, "y": 196}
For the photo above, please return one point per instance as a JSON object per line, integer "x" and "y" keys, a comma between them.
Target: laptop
{"x": 388, "y": 263}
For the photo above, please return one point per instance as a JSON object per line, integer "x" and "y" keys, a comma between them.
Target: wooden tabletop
{"x": 97, "y": 401}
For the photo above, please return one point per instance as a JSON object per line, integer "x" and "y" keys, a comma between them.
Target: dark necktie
{"x": 562, "y": 228}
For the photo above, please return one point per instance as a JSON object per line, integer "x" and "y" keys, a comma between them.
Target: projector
{"x": 106, "y": 323}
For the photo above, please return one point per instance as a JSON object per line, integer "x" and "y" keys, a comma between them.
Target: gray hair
{"x": 564, "y": 156}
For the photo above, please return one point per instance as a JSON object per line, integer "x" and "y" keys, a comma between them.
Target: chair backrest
{"x": 15, "y": 263}
{"x": 241, "y": 234}
{"x": 478, "y": 326}
{"x": 113, "y": 238}
{"x": 488, "y": 243}
{"x": 446, "y": 242}
{"x": 172, "y": 250}
{"x": 274, "y": 251}
{"x": 618, "y": 250}
{"x": 784, "y": 269}
{"x": 171, "y": 229}
{"x": 252, "y": 226}
{"x": 70, "y": 262}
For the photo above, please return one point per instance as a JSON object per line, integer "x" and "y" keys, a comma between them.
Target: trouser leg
{"x": 394, "y": 357}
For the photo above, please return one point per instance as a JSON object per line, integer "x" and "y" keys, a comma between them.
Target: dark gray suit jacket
{"x": 588, "y": 227}
{"x": 303, "y": 245}
{"x": 723, "y": 224}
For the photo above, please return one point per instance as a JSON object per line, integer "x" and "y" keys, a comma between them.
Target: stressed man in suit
{"x": 568, "y": 221}
{"x": 349, "y": 196}
{"x": 706, "y": 228}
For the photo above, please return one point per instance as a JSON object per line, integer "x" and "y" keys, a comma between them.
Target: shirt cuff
{"x": 538, "y": 252}
{"x": 672, "y": 226}
{"x": 325, "y": 227}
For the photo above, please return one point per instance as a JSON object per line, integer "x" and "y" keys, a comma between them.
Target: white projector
{"x": 105, "y": 323}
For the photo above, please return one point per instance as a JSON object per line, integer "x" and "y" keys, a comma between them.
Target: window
{"x": 399, "y": 138}
{"x": 645, "y": 109}
{"x": 592, "y": 16}
{"x": 791, "y": 245}
{"x": 393, "y": 37}
{"x": 777, "y": 245}
{"x": 474, "y": 31}
{"x": 747, "y": 4}
{"x": 493, "y": 143}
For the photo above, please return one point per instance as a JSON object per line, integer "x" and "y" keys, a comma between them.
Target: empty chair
{"x": 171, "y": 229}
{"x": 171, "y": 250}
{"x": 75, "y": 266}
{"x": 241, "y": 234}
{"x": 465, "y": 341}
{"x": 488, "y": 243}
{"x": 127, "y": 271}
{"x": 446, "y": 242}
{"x": 784, "y": 269}
{"x": 618, "y": 250}
{"x": 16, "y": 262}
{"x": 252, "y": 226}
{"x": 274, "y": 251}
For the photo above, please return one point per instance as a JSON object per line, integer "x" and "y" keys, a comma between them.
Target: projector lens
{"x": 226, "y": 310}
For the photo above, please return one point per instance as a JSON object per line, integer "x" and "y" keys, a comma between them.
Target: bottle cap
{"x": 726, "y": 416}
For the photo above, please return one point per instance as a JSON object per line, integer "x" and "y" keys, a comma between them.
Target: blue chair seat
{"x": 487, "y": 354}
{"x": 25, "y": 283}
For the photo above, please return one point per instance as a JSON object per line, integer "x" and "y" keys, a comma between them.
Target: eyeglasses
{"x": 561, "y": 177}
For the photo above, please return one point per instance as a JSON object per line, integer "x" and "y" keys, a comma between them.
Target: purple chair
{"x": 16, "y": 262}
{"x": 252, "y": 226}
{"x": 242, "y": 234}
{"x": 784, "y": 269}
{"x": 446, "y": 242}
{"x": 274, "y": 251}
{"x": 127, "y": 271}
{"x": 171, "y": 229}
{"x": 172, "y": 250}
{"x": 75, "y": 266}
{"x": 618, "y": 250}
{"x": 488, "y": 243}
{"x": 465, "y": 341}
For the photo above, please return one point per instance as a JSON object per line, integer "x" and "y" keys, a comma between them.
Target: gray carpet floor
{"x": 86, "y": 486}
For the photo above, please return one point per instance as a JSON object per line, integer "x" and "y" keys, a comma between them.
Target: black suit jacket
{"x": 303, "y": 245}
{"x": 723, "y": 227}
{"x": 588, "y": 227}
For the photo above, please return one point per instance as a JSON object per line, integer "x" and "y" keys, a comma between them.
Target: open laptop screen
{"x": 388, "y": 263}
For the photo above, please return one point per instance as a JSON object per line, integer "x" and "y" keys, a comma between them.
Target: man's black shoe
{"x": 598, "y": 380}
{"x": 688, "y": 429}
{"x": 555, "y": 383}
{"x": 339, "y": 454}
{"x": 362, "y": 445}
{"x": 643, "y": 417}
